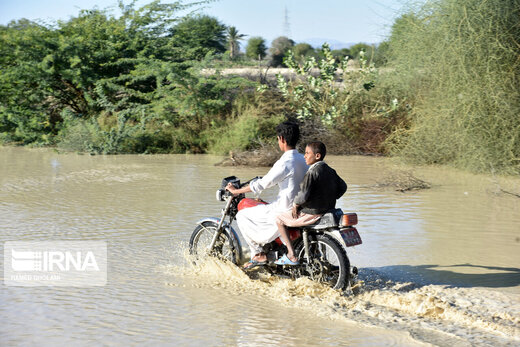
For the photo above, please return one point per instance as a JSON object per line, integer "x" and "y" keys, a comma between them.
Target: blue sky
{"x": 340, "y": 20}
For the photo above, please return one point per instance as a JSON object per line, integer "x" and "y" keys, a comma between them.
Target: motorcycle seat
{"x": 329, "y": 219}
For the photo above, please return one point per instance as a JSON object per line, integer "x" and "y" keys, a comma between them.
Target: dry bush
{"x": 403, "y": 181}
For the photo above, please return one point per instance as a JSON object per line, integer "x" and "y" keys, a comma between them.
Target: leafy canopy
{"x": 256, "y": 48}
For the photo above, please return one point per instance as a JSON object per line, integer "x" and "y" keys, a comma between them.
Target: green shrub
{"x": 115, "y": 134}
{"x": 251, "y": 125}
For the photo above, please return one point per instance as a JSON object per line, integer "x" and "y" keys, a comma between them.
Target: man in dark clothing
{"x": 320, "y": 189}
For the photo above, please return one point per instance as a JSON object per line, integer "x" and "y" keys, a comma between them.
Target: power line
{"x": 286, "y": 24}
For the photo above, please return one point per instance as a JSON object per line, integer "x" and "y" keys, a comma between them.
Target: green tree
{"x": 233, "y": 38}
{"x": 302, "y": 50}
{"x": 341, "y": 54}
{"x": 199, "y": 35}
{"x": 358, "y": 47}
{"x": 93, "y": 65}
{"x": 27, "y": 112}
{"x": 256, "y": 48}
{"x": 279, "y": 48}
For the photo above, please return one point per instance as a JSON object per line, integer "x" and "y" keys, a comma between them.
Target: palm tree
{"x": 233, "y": 37}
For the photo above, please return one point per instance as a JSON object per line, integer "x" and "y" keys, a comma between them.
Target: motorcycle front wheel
{"x": 327, "y": 263}
{"x": 201, "y": 239}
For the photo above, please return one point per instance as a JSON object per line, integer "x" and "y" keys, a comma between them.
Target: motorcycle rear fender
{"x": 336, "y": 234}
{"x": 229, "y": 230}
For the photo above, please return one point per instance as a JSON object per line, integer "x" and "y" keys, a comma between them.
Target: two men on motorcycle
{"x": 259, "y": 224}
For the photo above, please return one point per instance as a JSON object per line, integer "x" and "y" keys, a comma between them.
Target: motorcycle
{"x": 320, "y": 247}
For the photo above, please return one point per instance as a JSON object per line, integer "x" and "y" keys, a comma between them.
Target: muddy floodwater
{"x": 437, "y": 267}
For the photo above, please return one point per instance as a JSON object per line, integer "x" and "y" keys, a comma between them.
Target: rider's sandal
{"x": 284, "y": 260}
{"x": 253, "y": 263}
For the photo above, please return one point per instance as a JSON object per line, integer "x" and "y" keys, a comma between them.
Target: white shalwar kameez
{"x": 258, "y": 224}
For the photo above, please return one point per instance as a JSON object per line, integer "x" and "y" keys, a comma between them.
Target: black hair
{"x": 289, "y": 131}
{"x": 318, "y": 147}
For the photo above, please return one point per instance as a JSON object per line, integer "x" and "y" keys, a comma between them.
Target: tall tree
{"x": 196, "y": 36}
{"x": 279, "y": 48}
{"x": 358, "y": 47}
{"x": 92, "y": 64}
{"x": 302, "y": 50}
{"x": 256, "y": 48}
{"x": 233, "y": 38}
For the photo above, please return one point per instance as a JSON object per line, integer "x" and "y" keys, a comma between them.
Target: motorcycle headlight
{"x": 220, "y": 195}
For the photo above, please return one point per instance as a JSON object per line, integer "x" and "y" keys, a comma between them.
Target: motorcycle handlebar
{"x": 251, "y": 180}
{"x": 223, "y": 193}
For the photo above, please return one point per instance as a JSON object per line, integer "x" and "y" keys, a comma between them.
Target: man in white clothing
{"x": 258, "y": 224}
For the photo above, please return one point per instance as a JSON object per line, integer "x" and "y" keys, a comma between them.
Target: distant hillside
{"x": 317, "y": 42}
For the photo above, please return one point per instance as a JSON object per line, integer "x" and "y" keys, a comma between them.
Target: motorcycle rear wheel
{"x": 328, "y": 262}
{"x": 201, "y": 239}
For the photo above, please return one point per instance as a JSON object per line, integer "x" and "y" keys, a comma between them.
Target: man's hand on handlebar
{"x": 230, "y": 188}
{"x": 236, "y": 191}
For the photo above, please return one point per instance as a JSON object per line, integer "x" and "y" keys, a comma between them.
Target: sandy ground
{"x": 263, "y": 72}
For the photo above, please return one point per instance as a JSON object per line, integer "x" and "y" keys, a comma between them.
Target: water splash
{"x": 430, "y": 313}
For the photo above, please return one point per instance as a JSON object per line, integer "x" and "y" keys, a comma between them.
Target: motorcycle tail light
{"x": 349, "y": 219}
